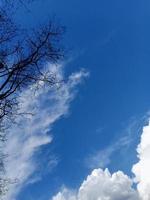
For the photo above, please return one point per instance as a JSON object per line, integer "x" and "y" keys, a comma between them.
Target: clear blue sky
{"x": 111, "y": 40}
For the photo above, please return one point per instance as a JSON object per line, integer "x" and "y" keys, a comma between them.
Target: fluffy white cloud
{"x": 101, "y": 185}
{"x": 142, "y": 168}
{"x": 32, "y": 131}
{"x": 65, "y": 194}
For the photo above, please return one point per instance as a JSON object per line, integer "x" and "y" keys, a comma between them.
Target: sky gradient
{"x": 97, "y": 120}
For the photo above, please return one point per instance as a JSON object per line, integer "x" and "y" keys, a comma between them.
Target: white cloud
{"x": 101, "y": 185}
{"x": 33, "y": 131}
{"x": 65, "y": 194}
{"x": 142, "y": 168}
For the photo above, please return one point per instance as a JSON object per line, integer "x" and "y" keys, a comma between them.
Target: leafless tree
{"x": 22, "y": 60}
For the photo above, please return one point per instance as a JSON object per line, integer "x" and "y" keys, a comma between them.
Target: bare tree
{"x": 23, "y": 57}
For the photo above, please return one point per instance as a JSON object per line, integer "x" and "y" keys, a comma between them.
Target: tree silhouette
{"x": 23, "y": 57}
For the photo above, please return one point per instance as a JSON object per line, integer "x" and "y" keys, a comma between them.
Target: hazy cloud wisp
{"x": 34, "y": 130}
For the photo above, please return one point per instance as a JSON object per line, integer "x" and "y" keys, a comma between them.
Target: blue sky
{"x": 103, "y": 116}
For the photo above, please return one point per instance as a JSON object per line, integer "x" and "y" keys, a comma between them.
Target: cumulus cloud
{"x": 65, "y": 194}
{"x": 142, "y": 168}
{"x": 102, "y": 185}
{"x": 32, "y": 131}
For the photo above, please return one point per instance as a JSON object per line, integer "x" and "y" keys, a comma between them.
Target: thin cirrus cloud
{"x": 102, "y": 158}
{"x": 102, "y": 185}
{"x": 32, "y": 131}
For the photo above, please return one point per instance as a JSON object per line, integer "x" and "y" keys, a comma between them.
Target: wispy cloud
{"x": 103, "y": 157}
{"x": 31, "y": 132}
